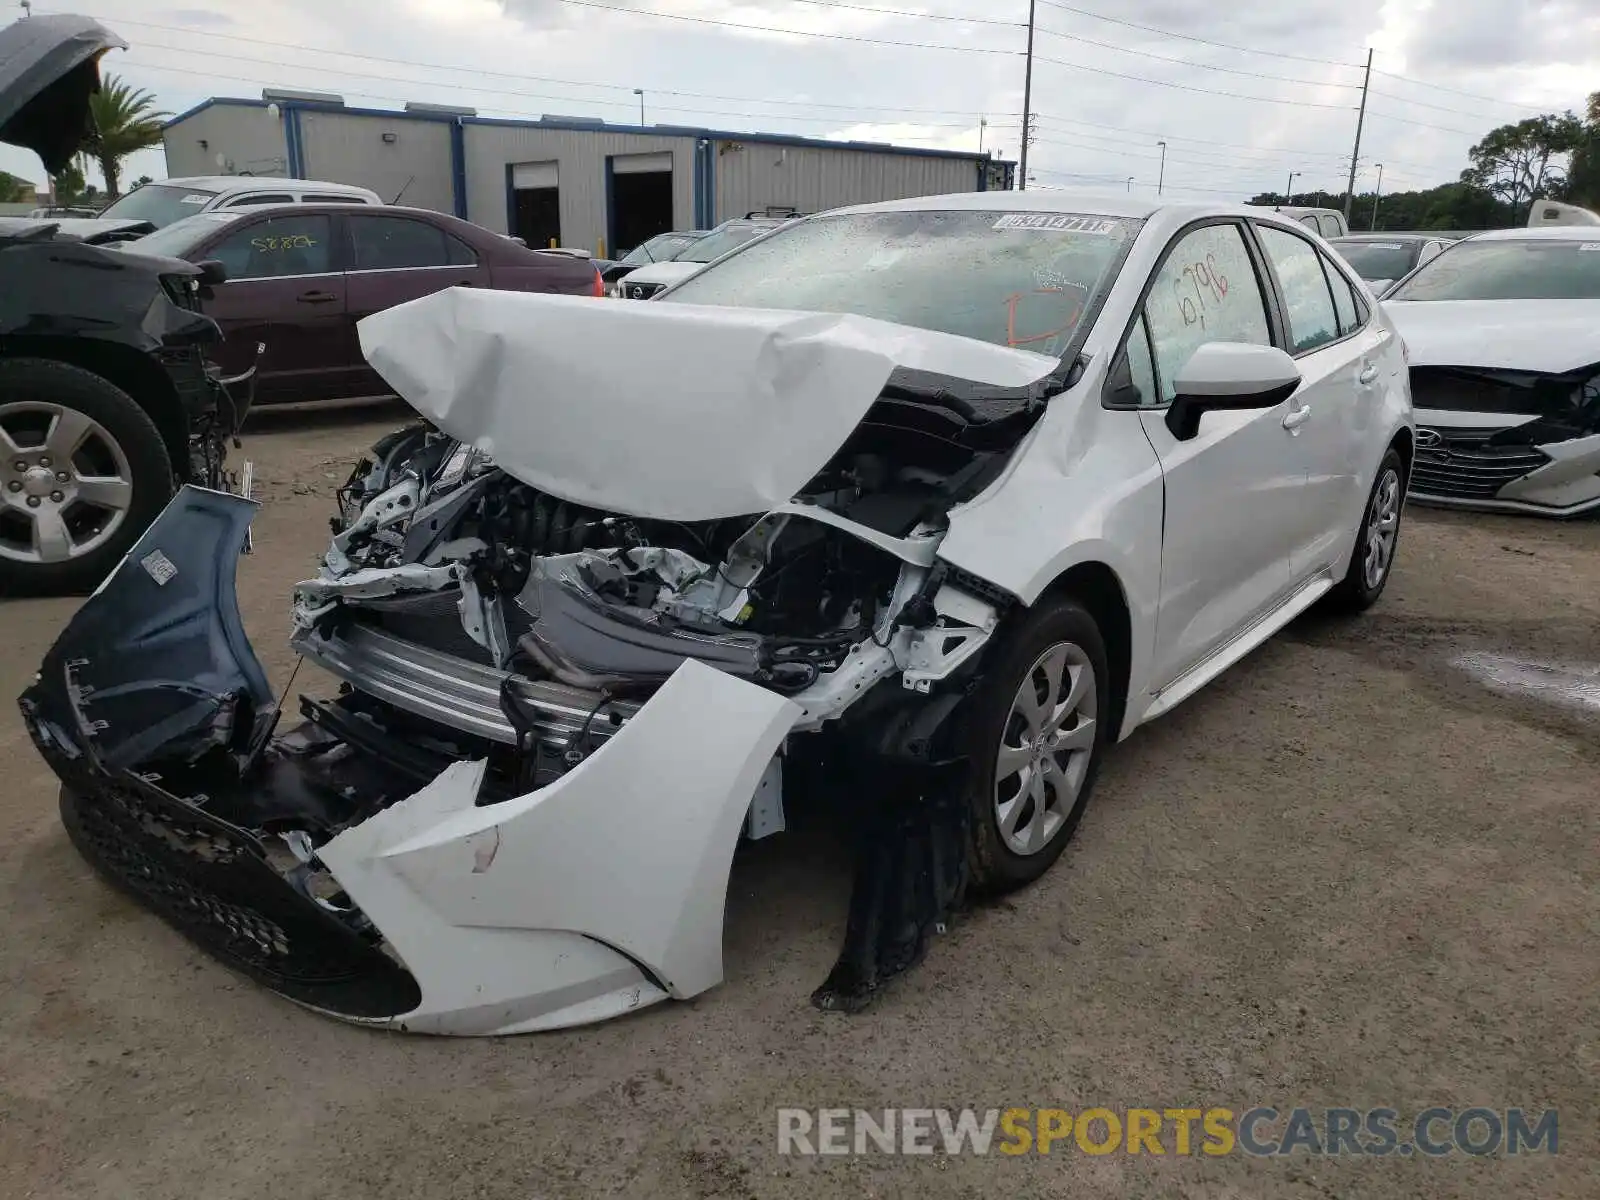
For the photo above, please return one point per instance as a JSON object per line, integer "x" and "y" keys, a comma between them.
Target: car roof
{"x": 1545, "y": 233}
{"x": 354, "y": 206}
{"x": 250, "y": 183}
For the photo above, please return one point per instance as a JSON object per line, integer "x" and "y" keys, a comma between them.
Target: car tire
{"x": 1378, "y": 539}
{"x": 1013, "y": 840}
{"x": 118, "y": 476}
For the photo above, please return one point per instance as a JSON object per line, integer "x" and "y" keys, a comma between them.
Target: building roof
{"x": 589, "y": 125}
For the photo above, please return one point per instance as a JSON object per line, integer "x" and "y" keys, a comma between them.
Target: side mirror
{"x": 212, "y": 272}
{"x": 1229, "y": 375}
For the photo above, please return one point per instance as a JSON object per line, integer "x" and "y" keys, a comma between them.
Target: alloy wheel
{"x": 1045, "y": 748}
{"x": 1383, "y": 528}
{"x": 65, "y": 483}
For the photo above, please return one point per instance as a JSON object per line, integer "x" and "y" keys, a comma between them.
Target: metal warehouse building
{"x": 565, "y": 180}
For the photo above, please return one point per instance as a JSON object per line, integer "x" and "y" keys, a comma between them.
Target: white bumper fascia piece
{"x": 600, "y": 893}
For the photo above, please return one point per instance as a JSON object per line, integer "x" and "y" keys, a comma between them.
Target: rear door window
{"x": 1312, "y": 321}
{"x": 1344, "y": 298}
{"x": 398, "y": 243}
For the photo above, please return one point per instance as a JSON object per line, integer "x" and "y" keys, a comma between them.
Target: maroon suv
{"x": 299, "y": 277}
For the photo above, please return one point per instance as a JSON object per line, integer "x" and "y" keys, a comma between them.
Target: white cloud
{"x": 1095, "y": 126}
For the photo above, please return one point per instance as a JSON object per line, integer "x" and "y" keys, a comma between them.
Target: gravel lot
{"x": 1348, "y": 873}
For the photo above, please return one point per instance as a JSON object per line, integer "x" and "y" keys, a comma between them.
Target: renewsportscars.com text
{"x": 1178, "y": 1132}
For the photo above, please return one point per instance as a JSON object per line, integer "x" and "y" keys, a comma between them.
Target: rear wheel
{"x": 1035, "y": 737}
{"x": 83, "y": 471}
{"x": 1372, "y": 561}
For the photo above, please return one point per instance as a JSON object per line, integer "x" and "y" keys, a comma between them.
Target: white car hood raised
{"x": 675, "y": 411}
{"x": 1511, "y": 335}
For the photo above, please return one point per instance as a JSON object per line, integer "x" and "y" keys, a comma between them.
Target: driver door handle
{"x": 317, "y": 297}
{"x": 1369, "y": 372}
{"x": 1296, "y": 417}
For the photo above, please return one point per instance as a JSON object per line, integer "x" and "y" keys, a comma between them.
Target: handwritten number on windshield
{"x": 1210, "y": 288}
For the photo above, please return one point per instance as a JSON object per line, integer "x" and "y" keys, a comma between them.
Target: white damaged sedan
{"x": 923, "y": 505}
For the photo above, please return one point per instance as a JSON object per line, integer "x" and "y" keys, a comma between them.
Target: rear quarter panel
{"x": 530, "y": 271}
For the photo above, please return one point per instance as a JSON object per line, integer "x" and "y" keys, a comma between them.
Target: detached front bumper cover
{"x": 597, "y": 894}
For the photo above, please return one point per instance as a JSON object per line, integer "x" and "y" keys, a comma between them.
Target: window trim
{"x": 257, "y": 200}
{"x": 336, "y": 256}
{"x": 1276, "y": 328}
{"x": 1363, "y": 311}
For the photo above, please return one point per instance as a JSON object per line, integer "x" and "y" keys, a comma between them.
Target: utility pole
{"x": 1027, "y": 104}
{"x": 1161, "y": 179}
{"x": 1375, "y": 197}
{"x": 1361, "y": 119}
{"x": 983, "y": 126}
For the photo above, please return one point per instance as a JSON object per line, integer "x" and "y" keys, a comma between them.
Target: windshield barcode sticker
{"x": 200, "y": 199}
{"x": 1056, "y": 223}
{"x": 159, "y": 567}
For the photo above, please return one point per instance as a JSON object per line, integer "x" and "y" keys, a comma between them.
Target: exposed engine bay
{"x": 556, "y": 721}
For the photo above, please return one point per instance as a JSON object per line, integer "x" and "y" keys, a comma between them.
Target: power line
{"x": 832, "y": 37}
{"x": 1083, "y": 12}
{"x": 1184, "y": 62}
{"x": 1201, "y": 141}
{"x": 1460, "y": 112}
{"x": 1184, "y": 87}
{"x": 1439, "y": 87}
{"x": 482, "y": 89}
{"x": 1242, "y": 159}
{"x": 1424, "y": 125}
{"x": 618, "y": 87}
{"x": 920, "y": 16}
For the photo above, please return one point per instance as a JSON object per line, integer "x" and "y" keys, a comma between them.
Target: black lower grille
{"x": 1461, "y": 464}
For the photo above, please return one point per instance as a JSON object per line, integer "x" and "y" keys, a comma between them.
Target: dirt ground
{"x": 1346, "y": 874}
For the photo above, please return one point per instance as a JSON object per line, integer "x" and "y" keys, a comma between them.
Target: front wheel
{"x": 1372, "y": 560}
{"x": 83, "y": 471}
{"x": 1034, "y": 737}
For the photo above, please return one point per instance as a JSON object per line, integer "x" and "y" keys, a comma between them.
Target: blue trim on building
{"x": 291, "y": 131}
{"x": 609, "y": 221}
{"x": 711, "y": 184}
{"x": 458, "y": 168}
{"x": 511, "y": 201}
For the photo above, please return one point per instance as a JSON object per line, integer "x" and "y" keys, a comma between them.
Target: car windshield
{"x": 1515, "y": 269}
{"x": 664, "y": 247}
{"x": 159, "y": 204}
{"x": 1013, "y": 279}
{"x": 181, "y": 237}
{"x": 719, "y": 242}
{"x": 1379, "y": 260}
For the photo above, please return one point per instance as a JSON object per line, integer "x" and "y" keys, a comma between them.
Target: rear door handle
{"x": 1369, "y": 373}
{"x": 317, "y": 297}
{"x": 1294, "y": 418}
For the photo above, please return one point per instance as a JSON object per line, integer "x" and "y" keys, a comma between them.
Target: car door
{"x": 394, "y": 259}
{"x": 285, "y": 290}
{"x": 1231, "y": 491}
{"x": 1336, "y": 405}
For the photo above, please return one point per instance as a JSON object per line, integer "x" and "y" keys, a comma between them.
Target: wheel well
{"x": 135, "y": 372}
{"x": 1097, "y": 588}
{"x": 1404, "y": 444}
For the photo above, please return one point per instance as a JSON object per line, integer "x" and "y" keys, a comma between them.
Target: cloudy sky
{"x": 1243, "y": 93}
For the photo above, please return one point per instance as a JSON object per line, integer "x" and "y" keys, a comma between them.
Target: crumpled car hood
{"x": 49, "y": 67}
{"x": 1554, "y": 336}
{"x": 674, "y": 411}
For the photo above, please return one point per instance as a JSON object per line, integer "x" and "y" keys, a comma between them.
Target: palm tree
{"x": 126, "y": 120}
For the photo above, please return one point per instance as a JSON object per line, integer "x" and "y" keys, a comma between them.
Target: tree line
{"x": 1551, "y": 157}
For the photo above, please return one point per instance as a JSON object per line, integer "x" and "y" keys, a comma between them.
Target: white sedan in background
{"x": 956, "y": 491}
{"x": 1503, "y": 334}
